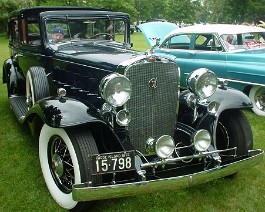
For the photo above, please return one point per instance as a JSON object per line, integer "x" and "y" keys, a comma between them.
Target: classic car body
{"x": 240, "y": 62}
{"x": 111, "y": 121}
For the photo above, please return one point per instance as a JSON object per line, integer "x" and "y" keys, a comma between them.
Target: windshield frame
{"x": 85, "y": 15}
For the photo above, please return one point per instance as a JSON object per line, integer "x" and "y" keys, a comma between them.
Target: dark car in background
{"x": 113, "y": 122}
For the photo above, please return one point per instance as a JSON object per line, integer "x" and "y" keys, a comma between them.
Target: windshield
{"x": 244, "y": 41}
{"x": 67, "y": 30}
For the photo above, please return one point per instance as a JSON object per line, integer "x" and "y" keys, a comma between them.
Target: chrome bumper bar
{"x": 82, "y": 192}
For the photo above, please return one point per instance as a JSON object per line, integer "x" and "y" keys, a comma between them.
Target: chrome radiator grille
{"x": 153, "y": 102}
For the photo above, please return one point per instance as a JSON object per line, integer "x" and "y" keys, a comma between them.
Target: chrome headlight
{"x": 115, "y": 89}
{"x": 202, "y": 82}
{"x": 163, "y": 146}
{"x": 123, "y": 118}
{"x": 201, "y": 140}
{"x": 213, "y": 107}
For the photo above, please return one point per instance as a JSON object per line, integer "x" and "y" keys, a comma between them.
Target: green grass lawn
{"x": 22, "y": 187}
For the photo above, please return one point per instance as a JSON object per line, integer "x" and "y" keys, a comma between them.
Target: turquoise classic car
{"x": 236, "y": 53}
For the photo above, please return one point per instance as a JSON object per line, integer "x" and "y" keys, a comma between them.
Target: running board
{"x": 19, "y": 106}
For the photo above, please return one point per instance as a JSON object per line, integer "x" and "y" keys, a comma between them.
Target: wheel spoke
{"x": 61, "y": 164}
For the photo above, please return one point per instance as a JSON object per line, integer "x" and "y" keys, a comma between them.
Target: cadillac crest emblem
{"x": 153, "y": 83}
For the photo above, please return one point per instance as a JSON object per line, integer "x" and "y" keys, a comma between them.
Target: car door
{"x": 178, "y": 46}
{"x": 203, "y": 51}
{"x": 30, "y": 51}
{"x": 208, "y": 53}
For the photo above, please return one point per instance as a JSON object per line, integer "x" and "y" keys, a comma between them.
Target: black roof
{"x": 34, "y": 11}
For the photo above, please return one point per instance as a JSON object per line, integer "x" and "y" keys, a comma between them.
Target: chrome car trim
{"x": 171, "y": 160}
{"x": 242, "y": 82}
{"x": 82, "y": 192}
{"x": 145, "y": 101}
{"x": 237, "y": 81}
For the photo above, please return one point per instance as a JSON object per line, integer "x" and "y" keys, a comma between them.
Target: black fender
{"x": 13, "y": 76}
{"x": 63, "y": 112}
{"x": 230, "y": 98}
{"x": 67, "y": 112}
{"x": 227, "y": 98}
{"x": 8, "y": 64}
{"x": 6, "y": 69}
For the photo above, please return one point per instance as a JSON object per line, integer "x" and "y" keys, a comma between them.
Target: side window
{"x": 203, "y": 42}
{"x": 14, "y": 33}
{"x": 33, "y": 37}
{"x": 206, "y": 42}
{"x": 200, "y": 40}
{"x": 178, "y": 42}
{"x": 120, "y": 30}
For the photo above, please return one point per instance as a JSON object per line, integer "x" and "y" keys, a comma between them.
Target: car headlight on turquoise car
{"x": 115, "y": 89}
{"x": 202, "y": 82}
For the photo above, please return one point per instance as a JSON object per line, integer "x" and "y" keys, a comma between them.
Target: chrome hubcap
{"x": 57, "y": 165}
{"x": 260, "y": 98}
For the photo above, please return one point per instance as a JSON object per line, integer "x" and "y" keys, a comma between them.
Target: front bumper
{"x": 82, "y": 192}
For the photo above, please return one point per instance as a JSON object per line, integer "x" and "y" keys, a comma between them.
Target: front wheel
{"x": 64, "y": 161}
{"x": 234, "y": 130}
{"x": 257, "y": 97}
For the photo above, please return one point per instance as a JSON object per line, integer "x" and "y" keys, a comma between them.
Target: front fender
{"x": 227, "y": 98}
{"x": 13, "y": 76}
{"x": 230, "y": 98}
{"x": 6, "y": 69}
{"x": 63, "y": 112}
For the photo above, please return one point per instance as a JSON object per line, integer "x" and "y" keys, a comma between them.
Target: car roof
{"x": 220, "y": 29}
{"x": 34, "y": 11}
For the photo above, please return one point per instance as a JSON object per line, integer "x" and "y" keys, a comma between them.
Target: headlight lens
{"x": 115, "y": 89}
{"x": 165, "y": 146}
{"x": 123, "y": 118}
{"x": 213, "y": 107}
{"x": 201, "y": 140}
{"x": 203, "y": 82}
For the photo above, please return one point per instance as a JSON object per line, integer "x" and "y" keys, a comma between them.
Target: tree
{"x": 235, "y": 11}
{"x": 7, "y": 6}
{"x": 181, "y": 10}
{"x": 218, "y": 10}
{"x": 247, "y": 10}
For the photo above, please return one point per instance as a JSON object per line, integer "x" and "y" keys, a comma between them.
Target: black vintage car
{"x": 113, "y": 122}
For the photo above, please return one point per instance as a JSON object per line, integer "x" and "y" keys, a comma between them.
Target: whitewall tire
{"x": 63, "y": 198}
{"x": 257, "y": 97}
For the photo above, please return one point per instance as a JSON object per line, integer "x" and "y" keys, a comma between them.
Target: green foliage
{"x": 236, "y": 11}
{"x": 186, "y": 11}
{"x": 115, "y": 5}
{"x": 7, "y": 6}
{"x": 180, "y": 11}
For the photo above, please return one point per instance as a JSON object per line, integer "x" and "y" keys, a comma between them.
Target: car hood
{"x": 153, "y": 30}
{"x": 101, "y": 55}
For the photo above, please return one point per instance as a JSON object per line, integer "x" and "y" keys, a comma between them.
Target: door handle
{"x": 192, "y": 53}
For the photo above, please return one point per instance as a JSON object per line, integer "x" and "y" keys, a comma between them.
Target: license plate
{"x": 113, "y": 162}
